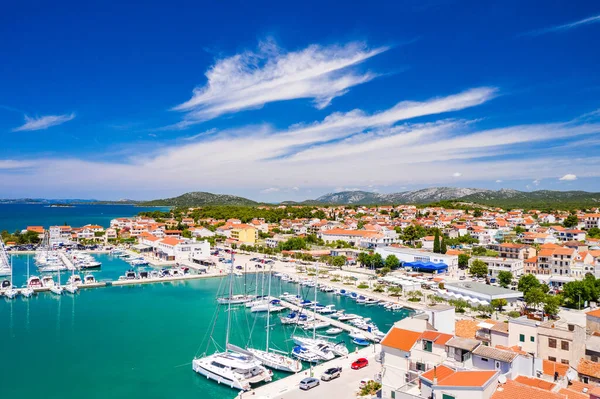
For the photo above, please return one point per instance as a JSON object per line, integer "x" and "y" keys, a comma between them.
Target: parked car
{"x": 259, "y": 266}
{"x": 359, "y": 363}
{"x": 309, "y": 383}
{"x": 239, "y": 267}
{"x": 331, "y": 373}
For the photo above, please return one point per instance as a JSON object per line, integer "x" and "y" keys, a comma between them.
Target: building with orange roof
{"x": 589, "y": 371}
{"x": 397, "y": 361}
{"x": 513, "y": 389}
{"x": 445, "y": 382}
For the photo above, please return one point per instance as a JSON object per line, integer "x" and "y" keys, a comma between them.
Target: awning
{"x": 426, "y": 266}
{"x": 141, "y": 247}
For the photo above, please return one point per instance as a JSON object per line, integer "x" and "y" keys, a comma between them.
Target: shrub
{"x": 363, "y": 285}
{"x": 513, "y": 314}
{"x": 370, "y": 388}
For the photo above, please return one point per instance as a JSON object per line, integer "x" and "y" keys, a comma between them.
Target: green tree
{"x": 364, "y": 259}
{"x": 338, "y": 261}
{"x": 519, "y": 230}
{"x": 552, "y": 304}
{"x": 460, "y": 305}
{"x": 479, "y": 251}
{"x": 436, "y": 242}
{"x": 499, "y": 303}
{"x": 463, "y": 261}
{"x": 360, "y": 224}
{"x": 376, "y": 261}
{"x": 478, "y": 268}
{"x": 535, "y": 297}
{"x": 571, "y": 221}
{"x": 527, "y": 282}
{"x": 477, "y": 213}
{"x": 505, "y": 278}
{"x": 392, "y": 262}
{"x": 293, "y": 244}
{"x": 394, "y": 290}
{"x": 384, "y": 270}
{"x": 594, "y": 232}
{"x": 443, "y": 247}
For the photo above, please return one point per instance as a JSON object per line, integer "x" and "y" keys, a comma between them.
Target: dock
{"x": 288, "y": 386}
{"x": 66, "y": 261}
{"x": 333, "y": 322}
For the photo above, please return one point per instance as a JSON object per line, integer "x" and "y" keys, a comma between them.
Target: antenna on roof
{"x": 502, "y": 379}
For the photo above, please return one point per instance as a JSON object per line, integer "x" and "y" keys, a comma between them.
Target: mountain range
{"x": 505, "y": 198}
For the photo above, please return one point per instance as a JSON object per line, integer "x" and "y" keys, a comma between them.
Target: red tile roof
{"x": 550, "y": 367}
{"x": 401, "y": 339}
{"x": 535, "y": 382}
{"x": 514, "y": 390}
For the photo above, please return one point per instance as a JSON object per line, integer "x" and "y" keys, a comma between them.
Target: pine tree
{"x": 436, "y": 242}
{"x": 443, "y": 248}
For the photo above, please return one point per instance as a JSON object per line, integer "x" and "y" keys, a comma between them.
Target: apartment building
{"x": 496, "y": 265}
{"x": 561, "y": 341}
{"x": 514, "y": 251}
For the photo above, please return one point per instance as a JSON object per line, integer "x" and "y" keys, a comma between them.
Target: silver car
{"x": 331, "y": 373}
{"x": 309, "y": 383}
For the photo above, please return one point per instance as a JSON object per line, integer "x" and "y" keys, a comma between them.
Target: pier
{"x": 323, "y": 317}
{"x": 66, "y": 261}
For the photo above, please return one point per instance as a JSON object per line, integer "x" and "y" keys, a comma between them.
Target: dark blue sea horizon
{"x": 19, "y": 216}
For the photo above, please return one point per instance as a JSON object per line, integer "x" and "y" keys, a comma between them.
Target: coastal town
{"x": 503, "y": 304}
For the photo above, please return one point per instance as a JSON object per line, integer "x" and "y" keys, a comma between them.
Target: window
{"x": 484, "y": 359}
{"x": 393, "y": 395}
{"x": 564, "y": 361}
{"x": 532, "y": 339}
{"x": 420, "y": 366}
{"x": 427, "y": 346}
{"x": 564, "y": 345}
{"x": 522, "y": 337}
{"x": 572, "y": 326}
{"x": 594, "y": 359}
{"x": 551, "y": 343}
{"x": 446, "y": 396}
{"x": 552, "y": 358}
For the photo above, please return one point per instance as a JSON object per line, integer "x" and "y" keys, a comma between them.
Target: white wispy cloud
{"x": 568, "y": 177}
{"x": 345, "y": 150}
{"x": 456, "y": 174}
{"x": 269, "y": 190}
{"x": 43, "y": 122}
{"x": 565, "y": 27}
{"x": 254, "y": 78}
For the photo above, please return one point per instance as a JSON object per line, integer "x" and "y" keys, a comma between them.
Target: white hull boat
{"x": 276, "y": 361}
{"x": 55, "y": 289}
{"x": 27, "y": 292}
{"x": 305, "y": 354}
{"x": 10, "y": 293}
{"x": 234, "y": 300}
{"x": 232, "y": 369}
{"x": 71, "y": 288}
{"x": 316, "y": 324}
{"x": 334, "y": 331}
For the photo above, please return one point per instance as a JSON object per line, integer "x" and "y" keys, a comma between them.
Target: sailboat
{"x": 10, "y": 292}
{"x": 72, "y": 285}
{"x": 27, "y": 291}
{"x": 56, "y": 288}
{"x": 272, "y": 359}
{"x": 323, "y": 348}
{"x": 232, "y": 367}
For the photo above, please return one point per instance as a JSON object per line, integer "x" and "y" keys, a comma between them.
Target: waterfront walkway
{"x": 344, "y": 387}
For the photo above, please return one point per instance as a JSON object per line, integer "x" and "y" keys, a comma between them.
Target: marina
{"x": 151, "y": 314}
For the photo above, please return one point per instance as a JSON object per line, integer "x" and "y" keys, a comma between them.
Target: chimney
{"x": 434, "y": 375}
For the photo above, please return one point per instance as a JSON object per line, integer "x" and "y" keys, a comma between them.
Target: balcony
{"x": 483, "y": 335}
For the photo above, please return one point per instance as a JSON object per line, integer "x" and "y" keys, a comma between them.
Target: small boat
{"x": 370, "y": 302}
{"x": 47, "y": 281}
{"x": 235, "y": 299}
{"x": 74, "y": 279}
{"x": 34, "y": 282}
{"x": 89, "y": 279}
{"x": 27, "y": 292}
{"x": 329, "y": 309}
{"x": 305, "y": 354}
{"x": 334, "y": 331}
{"x": 337, "y": 314}
{"x": 360, "y": 342}
{"x": 357, "y": 334}
{"x": 316, "y": 324}
{"x": 349, "y": 316}
{"x": 56, "y": 289}
{"x": 71, "y": 288}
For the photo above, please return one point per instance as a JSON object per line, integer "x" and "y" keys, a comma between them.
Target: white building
{"x": 497, "y": 265}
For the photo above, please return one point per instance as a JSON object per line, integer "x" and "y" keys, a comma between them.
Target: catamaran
{"x": 271, "y": 358}
{"x": 232, "y": 367}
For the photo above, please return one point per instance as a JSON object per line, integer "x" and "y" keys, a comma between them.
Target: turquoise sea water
{"x": 135, "y": 341}
{"x": 19, "y": 216}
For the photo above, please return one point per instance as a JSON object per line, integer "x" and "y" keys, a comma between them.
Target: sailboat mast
{"x": 230, "y": 299}
{"x": 11, "y": 271}
{"x": 269, "y": 309}
{"x": 315, "y": 304}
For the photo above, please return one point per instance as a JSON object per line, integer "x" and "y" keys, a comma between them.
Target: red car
{"x": 360, "y": 363}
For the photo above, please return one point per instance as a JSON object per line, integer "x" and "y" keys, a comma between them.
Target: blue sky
{"x": 278, "y": 101}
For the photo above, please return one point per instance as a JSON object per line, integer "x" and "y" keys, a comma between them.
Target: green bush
{"x": 363, "y": 285}
{"x": 513, "y": 314}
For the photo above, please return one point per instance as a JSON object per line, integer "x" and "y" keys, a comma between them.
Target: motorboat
{"x": 75, "y": 279}
{"x": 235, "y": 299}
{"x": 360, "y": 342}
{"x": 47, "y": 282}
{"x": 233, "y": 369}
{"x": 394, "y": 306}
{"x": 357, "y": 334}
{"x": 318, "y": 346}
{"x": 89, "y": 279}
{"x": 57, "y": 289}
{"x": 27, "y": 292}
{"x": 329, "y": 309}
{"x": 34, "y": 282}
{"x": 333, "y": 331}
{"x": 293, "y": 318}
{"x": 139, "y": 262}
{"x": 143, "y": 274}
{"x": 316, "y": 324}
{"x": 305, "y": 354}
{"x": 129, "y": 275}
{"x": 371, "y": 302}
{"x": 337, "y": 314}
{"x": 267, "y": 307}
{"x": 349, "y": 316}
{"x": 8, "y": 289}
{"x": 70, "y": 288}
{"x": 361, "y": 299}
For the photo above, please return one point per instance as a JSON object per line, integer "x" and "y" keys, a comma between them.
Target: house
{"x": 447, "y": 383}
{"x": 589, "y": 372}
{"x": 59, "y": 234}
{"x": 514, "y": 251}
{"x": 496, "y": 265}
{"x": 460, "y": 351}
{"x": 409, "y": 255}
{"x": 591, "y": 220}
{"x": 174, "y": 249}
{"x": 561, "y": 341}
{"x": 395, "y": 359}
{"x": 201, "y": 232}
{"x": 427, "y": 242}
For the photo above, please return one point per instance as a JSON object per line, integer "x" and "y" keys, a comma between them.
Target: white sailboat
{"x": 27, "y": 290}
{"x": 232, "y": 368}
{"x": 322, "y": 348}
{"x": 10, "y": 292}
{"x": 72, "y": 285}
{"x": 56, "y": 288}
{"x": 272, "y": 359}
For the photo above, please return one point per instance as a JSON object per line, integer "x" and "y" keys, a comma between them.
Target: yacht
{"x": 8, "y": 289}
{"x": 357, "y": 334}
{"x": 267, "y": 307}
{"x": 34, "y": 282}
{"x": 235, "y": 299}
{"x": 329, "y": 309}
{"x": 371, "y": 301}
{"x": 27, "y": 292}
{"x": 75, "y": 279}
{"x": 89, "y": 279}
{"x": 334, "y": 331}
{"x": 349, "y": 316}
{"x": 316, "y": 324}
{"x": 47, "y": 281}
{"x": 57, "y": 289}
{"x": 304, "y": 354}
{"x": 232, "y": 368}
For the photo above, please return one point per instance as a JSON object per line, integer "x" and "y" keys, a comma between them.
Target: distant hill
{"x": 504, "y": 198}
{"x": 201, "y": 198}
